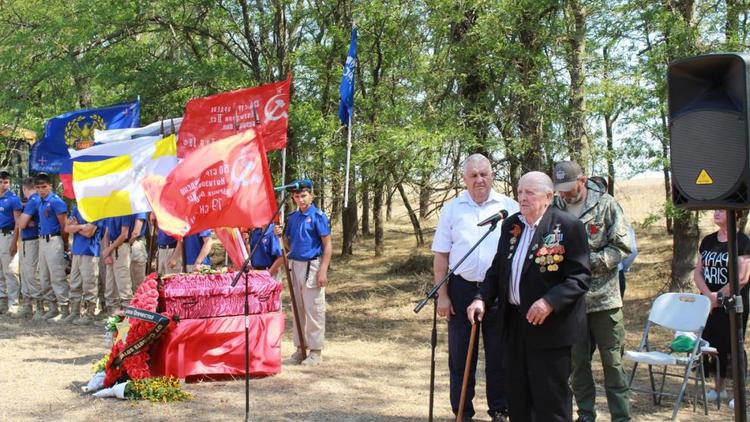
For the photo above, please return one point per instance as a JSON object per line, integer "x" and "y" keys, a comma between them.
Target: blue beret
{"x": 301, "y": 184}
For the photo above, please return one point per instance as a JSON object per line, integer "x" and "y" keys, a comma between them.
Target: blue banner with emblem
{"x": 346, "y": 89}
{"x": 75, "y": 130}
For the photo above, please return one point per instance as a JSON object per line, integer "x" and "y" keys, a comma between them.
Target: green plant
{"x": 101, "y": 364}
{"x": 157, "y": 390}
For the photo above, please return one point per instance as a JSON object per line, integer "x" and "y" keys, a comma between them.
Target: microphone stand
{"x": 433, "y": 294}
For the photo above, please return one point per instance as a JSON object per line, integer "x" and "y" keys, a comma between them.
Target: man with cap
{"x": 266, "y": 250}
{"x": 456, "y": 233}
{"x": 53, "y": 244}
{"x": 197, "y": 248}
{"x": 10, "y": 210}
{"x": 308, "y": 235}
{"x": 28, "y": 224}
{"x": 609, "y": 243}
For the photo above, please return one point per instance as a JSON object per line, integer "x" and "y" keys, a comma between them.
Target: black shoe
{"x": 584, "y": 419}
{"x": 500, "y": 417}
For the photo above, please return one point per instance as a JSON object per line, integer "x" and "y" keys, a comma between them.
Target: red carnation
{"x": 593, "y": 229}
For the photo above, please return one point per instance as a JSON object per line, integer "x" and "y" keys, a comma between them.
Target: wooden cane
{"x": 293, "y": 298}
{"x": 467, "y": 368}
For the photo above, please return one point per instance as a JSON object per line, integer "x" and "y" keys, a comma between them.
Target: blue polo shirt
{"x": 83, "y": 245}
{"x": 9, "y": 203}
{"x": 192, "y": 245}
{"x": 115, "y": 225}
{"x": 163, "y": 239}
{"x": 49, "y": 209}
{"x": 304, "y": 231}
{"x": 32, "y": 209}
{"x": 268, "y": 247}
{"x": 144, "y": 228}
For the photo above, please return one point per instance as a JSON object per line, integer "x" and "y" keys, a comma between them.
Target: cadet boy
{"x": 53, "y": 243}
{"x": 308, "y": 235}
{"x": 197, "y": 248}
{"x": 84, "y": 269}
{"x": 266, "y": 250}
{"x": 118, "y": 288}
{"x": 28, "y": 224}
{"x": 10, "y": 210}
{"x": 138, "y": 253}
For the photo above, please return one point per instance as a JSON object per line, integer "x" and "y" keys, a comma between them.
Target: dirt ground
{"x": 376, "y": 362}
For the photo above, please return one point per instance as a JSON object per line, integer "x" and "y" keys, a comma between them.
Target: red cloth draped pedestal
{"x": 209, "y": 347}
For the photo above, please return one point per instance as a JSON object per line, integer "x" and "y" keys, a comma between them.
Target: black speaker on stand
{"x": 710, "y": 159}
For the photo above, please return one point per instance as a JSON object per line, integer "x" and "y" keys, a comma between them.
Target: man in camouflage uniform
{"x": 609, "y": 242}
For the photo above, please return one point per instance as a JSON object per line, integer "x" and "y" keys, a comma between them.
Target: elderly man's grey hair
{"x": 540, "y": 179}
{"x": 476, "y": 159}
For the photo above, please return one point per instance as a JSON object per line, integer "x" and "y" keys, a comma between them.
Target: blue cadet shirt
{"x": 268, "y": 247}
{"x": 83, "y": 245}
{"x": 32, "y": 209}
{"x": 163, "y": 239}
{"x": 49, "y": 209}
{"x": 115, "y": 225}
{"x": 193, "y": 245}
{"x": 304, "y": 231}
{"x": 144, "y": 228}
{"x": 9, "y": 203}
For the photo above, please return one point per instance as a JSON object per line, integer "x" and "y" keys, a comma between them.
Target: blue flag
{"x": 346, "y": 107}
{"x": 75, "y": 130}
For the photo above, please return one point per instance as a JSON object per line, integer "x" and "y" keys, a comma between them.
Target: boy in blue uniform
{"x": 10, "y": 210}
{"x": 197, "y": 248}
{"x": 266, "y": 250}
{"x": 53, "y": 243}
{"x": 169, "y": 255}
{"x": 84, "y": 269}
{"x": 28, "y": 224}
{"x": 118, "y": 289}
{"x": 138, "y": 253}
{"x": 308, "y": 235}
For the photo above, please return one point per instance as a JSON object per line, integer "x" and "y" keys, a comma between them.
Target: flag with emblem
{"x": 75, "y": 130}
{"x": 107, "y": 178}
{"x": 226, "y": 183}
{"x": 210, "y": 119}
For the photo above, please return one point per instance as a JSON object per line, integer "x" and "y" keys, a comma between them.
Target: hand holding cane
{"x": 467, "y": 368}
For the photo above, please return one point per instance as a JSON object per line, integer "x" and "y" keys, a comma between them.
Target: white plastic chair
{"x": 677, "y": 312}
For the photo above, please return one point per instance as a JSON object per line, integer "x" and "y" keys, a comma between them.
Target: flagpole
{"x": 348, "y": 159}
{"x": 283, "y": 181}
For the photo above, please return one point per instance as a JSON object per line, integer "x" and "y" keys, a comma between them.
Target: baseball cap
{"x": 566, "y": 175}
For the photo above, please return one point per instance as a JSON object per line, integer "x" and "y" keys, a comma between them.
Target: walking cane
{"x": 467, "y": 368}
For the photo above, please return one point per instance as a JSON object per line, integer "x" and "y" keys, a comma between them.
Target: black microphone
{"x": 293, "y": 186}
{"x": 494, "y": 218}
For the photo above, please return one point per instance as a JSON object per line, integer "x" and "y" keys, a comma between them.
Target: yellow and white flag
{"x": 107, "y": 178}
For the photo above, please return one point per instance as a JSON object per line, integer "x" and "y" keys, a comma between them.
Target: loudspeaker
{"x": 708, "y": 129}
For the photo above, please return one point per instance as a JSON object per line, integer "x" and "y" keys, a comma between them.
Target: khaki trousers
{"x": 118, "y": 288}
{"x": 163, "y": 258}
{"x": 311, "y": 303}
{"x": 84, "y": 272}
{"x": 101, "y": 280}
{"x": 29, "y": 262}
{"x": 52, "y": 270}
{"x": 138, "y": 261}
{"x": 8, "y": 280}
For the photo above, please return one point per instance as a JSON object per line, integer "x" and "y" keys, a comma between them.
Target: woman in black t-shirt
{"x": 711, "y": 276}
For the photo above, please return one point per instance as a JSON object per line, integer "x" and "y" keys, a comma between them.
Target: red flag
{"x": 209, "y": 119}
{"x": 223, "y": 184}
{"x": 233, "y": 243}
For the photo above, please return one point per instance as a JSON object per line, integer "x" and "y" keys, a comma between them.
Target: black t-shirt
{"x": 715, "y": 259}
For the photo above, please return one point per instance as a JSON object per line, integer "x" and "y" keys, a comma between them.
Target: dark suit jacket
{"x": 564, "y": 289}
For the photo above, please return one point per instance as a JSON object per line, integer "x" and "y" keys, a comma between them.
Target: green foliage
{"x": 101, "y": 364}
{"x": 156, "y": 390}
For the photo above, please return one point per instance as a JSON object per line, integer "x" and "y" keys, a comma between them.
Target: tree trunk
{"x": 377, "y": 216}
{"x": 732, "y": 24}
{"x": 608, "y": 123}
{"x": 684, "y": 250}
{"x": 412, "y": 215}
{"x": 336, "y": 199}
{"x": 425, "y": 193}
{"x": 389, "y": 205}
{"x": 576, "y": 127}
{"x": 365, "y": 208}
{"x": 349, "y": 221}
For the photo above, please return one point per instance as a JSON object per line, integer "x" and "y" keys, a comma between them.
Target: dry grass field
{"x": 376, "y": 362}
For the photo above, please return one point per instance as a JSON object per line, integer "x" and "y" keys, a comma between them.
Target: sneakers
{"x": 313, "y": 359}
{"x": 731, "y": 404}
{"x": 297, "y": 357}
{"x": 712, "y": 395}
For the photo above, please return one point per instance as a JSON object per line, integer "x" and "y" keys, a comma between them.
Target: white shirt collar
{"x": 533, "y": 226}
{"x": 465, "y": 197}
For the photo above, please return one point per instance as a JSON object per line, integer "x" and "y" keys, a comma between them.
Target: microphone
{"x": 292, "y": 186}
{"x": 494, "y": 218}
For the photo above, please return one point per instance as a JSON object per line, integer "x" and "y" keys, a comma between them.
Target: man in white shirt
{"x": 456, "y": 233}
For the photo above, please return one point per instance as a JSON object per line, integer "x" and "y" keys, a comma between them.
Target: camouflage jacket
{"x": 609, "y": 242}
